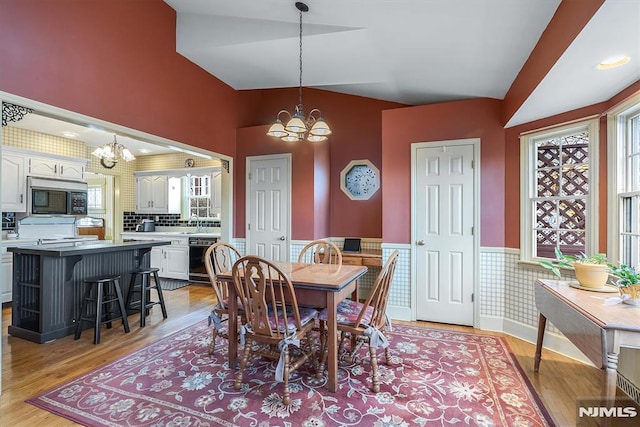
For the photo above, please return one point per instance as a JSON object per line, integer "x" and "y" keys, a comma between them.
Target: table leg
{"x": 332, "y": 342}
{"x": 354, "y": 294}
{"x": 232, "y": 326}
{"x": 611, "y": 376}
{"x": 542, "y": 323}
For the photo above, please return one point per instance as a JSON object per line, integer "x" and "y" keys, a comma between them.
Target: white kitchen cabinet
{"x": 172, "y": 261}
{"x": 7, "y": 276}
{"x": 56, "y": 168}
{"x": 152, "y": 194}
{"x": 175, "y": 261}
{"x": 14, "y": 183}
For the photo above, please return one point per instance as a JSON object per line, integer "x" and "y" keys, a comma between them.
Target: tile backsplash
{"x": 131, "y": 219}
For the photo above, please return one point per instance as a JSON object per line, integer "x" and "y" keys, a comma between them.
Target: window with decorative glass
{"x": 198, "y": 193}
{"x": 558, "y": 191}
{"x": 624, "y": 166}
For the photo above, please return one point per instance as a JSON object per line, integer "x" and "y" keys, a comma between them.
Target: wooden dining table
{"x": 317, "y": 285}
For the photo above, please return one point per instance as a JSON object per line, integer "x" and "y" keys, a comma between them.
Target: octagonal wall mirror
{"x": 360, "y": 180}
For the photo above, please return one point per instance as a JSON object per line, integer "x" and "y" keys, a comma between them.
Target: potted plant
{"x": 591, "y": 271}
{"x": 628, "y": 282}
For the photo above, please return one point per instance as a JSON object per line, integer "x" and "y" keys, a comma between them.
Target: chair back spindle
{"x": 320, "y": 252}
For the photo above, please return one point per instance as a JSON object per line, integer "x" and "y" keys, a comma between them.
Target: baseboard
{"x": 491, "y": 323}
{"x": 399, "y": 313}
{"x": 553, "y": 342}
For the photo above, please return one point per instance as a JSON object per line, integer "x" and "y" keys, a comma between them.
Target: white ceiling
{"x": 408, "y": 51}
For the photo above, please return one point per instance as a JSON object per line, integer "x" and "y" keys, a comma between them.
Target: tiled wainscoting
{"x": 506, "y": 300}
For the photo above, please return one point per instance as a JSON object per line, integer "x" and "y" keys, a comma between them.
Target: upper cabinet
{"x": 152, "y": 194}
{"x": 190, "y": 191}
{"x": 14, "y": 183}
{"x": 55, "y": 168}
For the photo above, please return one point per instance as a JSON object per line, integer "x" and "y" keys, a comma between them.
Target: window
{"x": 559, "y": 191}
{"x": 624, "y": 189}
{"x": 198, "y": 193}
{"x": 95, "y": 198}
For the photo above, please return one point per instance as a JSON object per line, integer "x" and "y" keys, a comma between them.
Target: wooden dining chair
{"x": 320, "y": 252}
{"x": 275, "y": 326}
{"x": 363, "y": 323}
{"x": 219, "y": 257}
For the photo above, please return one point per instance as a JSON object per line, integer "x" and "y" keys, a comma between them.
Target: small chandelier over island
{"x": 298, "y": 127}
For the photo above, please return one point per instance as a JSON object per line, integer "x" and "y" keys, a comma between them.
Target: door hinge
{"x": 472, "y": 230}
{"x": 249, "y": 177}
{"x": 248, "y": 226}
{"x": 473, "y": 164}
{"x": 472, "y": 297}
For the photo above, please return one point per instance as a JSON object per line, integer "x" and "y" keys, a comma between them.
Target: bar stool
{"x": 107, "y": 295}
{"x": 145, "y": 303}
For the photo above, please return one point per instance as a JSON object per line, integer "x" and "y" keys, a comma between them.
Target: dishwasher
{"x": 197, "y": 248}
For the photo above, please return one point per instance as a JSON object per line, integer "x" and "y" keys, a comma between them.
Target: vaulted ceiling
{"x": 416, "y": 51}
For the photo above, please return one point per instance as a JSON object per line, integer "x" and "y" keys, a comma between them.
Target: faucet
{"x": 198, "y": 222}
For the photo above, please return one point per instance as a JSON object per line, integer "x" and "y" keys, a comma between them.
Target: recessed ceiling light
{"x": 614, "y": 62}
{"x": 70, "y": 134}
{"x": 144, "y": 150}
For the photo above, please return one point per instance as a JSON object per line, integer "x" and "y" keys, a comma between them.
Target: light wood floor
{"x": 29, "y": 369}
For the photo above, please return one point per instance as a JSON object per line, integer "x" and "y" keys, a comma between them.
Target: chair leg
{"x": 160, "y": 296}
{"x": 144, "y": 290}
{"x": 387, "y": 356}
{"x": 243, "y": 364}
{"x": 98, "y": 322}
{"x": 132, "y": 283}
{"x": 83, "y": 308}
{"x": 121, "y": 305}
{"x": 374, "y": 370}
{"x": 286, "y": 398}
{"x": 214, "y": 335}
{"x": 107, "y": 314}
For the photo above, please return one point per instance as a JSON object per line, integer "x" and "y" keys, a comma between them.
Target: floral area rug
{"x": 436, "y": 377}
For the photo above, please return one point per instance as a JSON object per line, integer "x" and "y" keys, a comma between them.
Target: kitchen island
{"x": 48, "y": 282}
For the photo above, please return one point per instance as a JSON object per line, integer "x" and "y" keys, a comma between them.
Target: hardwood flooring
{"x": 29, "y": 369}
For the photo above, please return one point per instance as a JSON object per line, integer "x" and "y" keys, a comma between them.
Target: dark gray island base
{"x": 48, "y": 282}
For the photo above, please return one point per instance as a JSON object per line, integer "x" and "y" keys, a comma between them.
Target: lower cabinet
{"x": 172, "y": 261}
{"x": 7, "y": 276}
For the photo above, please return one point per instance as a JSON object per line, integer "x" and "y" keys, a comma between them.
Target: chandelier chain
{"x": 300, "y": 82}
{"x": 298, "y": 127}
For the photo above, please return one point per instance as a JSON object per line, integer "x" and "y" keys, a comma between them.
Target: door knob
{"x": 420, "y": 242}
{"x": 283, "y": 238}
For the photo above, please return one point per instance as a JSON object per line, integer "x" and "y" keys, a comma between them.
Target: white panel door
{"x": 444, "y": 218}
{"x": 268, "y": 217}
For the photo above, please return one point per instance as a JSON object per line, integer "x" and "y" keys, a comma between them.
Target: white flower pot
{"x": 591, "y": 275}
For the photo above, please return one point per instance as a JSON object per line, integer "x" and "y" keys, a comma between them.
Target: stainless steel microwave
{"x": 56, "y": 197}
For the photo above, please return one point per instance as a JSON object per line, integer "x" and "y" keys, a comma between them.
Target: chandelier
{"x": 109, "y": 154}
{"x": 298, "y": 127}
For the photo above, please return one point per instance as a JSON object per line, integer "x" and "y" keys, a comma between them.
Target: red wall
{"x": 356, "y": 123}
{"x": 253, "y": 141}
{"x": 116, "y": 61}
{"x": 478, "y": 118}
